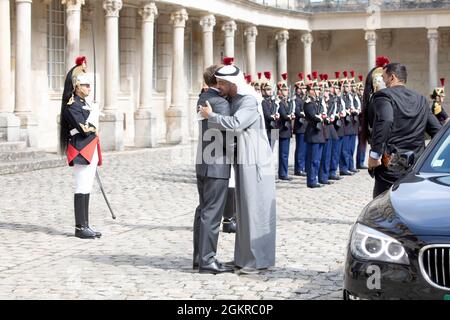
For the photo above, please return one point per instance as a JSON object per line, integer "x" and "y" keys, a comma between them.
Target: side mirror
{"x": 407, "y": 159}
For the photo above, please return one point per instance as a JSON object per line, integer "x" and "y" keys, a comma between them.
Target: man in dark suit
{"x": 213, "y": 174}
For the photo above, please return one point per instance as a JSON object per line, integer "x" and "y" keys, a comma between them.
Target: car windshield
{"x": 438, "y": 161}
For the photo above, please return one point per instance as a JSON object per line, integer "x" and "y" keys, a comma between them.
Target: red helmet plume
{"x": 352, "y": 72}
{"x": 345, "y": 74}
{"x": 300, "y": 75}
{"x": 284, "y": 76}
{"x": 228, "y": 61}
{"x": 337, "y": 74}
{"x": 315, "y": 74}
{"x": 360, "y": 77}
{"x": 79, "y": 60}
{"x": 442, "y": 81}
{"x": 381, "y": 61}
{"x": 267, "y": 74}
{"x": 259, "y": 75}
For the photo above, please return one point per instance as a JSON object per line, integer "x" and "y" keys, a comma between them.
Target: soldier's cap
{"x": 344, "y": 80}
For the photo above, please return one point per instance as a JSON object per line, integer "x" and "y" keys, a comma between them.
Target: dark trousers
{"x": 313, "y": 163}
{"x": 283, "y": 157}
{"x": 361, "y": 154}
{"x": 212, "y": 197}
{"x": 351, "y": 151}
{"x": 345, "y": 155}
{"x": 230, "y": 206}
{"x": 336, "y": 146}
{"x": 300, "y": 152}
{"x": 324, "y": 171}
{"x": 384, "y": 179}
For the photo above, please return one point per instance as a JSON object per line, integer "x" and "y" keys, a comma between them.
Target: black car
{"x": 399, "y": 248}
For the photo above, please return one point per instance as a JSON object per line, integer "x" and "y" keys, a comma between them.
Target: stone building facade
{"x": 149, "y": 55}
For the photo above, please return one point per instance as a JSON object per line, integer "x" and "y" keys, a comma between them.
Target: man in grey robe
{"x": 255, "y": 179}
{"x": 213, "y": 174}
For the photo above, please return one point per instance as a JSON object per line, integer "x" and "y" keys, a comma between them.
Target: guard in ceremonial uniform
{"x": 362, "y": 145}
{"x": 270, "y": 109}
{"x": 355, "y": 110}
{"x": 285, "y": 127}
{"x": 437, "y": 107}
{"x": 328, "y": 131}
{"x": 300, "y": 127}
{"x": 338, "y": 111}
{"x": 344, "y": 162}
{"x": 79, "y": 133}
{"x": 314, "y": 136}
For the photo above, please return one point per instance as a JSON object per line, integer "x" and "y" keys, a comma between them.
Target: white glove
{"x": 94, "y": 115}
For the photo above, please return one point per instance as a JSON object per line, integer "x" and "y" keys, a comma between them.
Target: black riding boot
{"x": 86, "y": 215}
{"x": 81, "y": 229}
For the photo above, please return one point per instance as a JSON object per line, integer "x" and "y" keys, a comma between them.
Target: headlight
{"x": 369, "y": 244}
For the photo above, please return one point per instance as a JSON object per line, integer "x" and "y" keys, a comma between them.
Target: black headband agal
{"x": 220, "y": 74}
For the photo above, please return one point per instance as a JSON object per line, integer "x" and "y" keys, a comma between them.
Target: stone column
{"x": 433, "y": 39}
{"x": 307, "y": 40}
{"x": 282, "y": 37}
{"x": 73, "y": 23}
{"x": 9, "y": 123}
{"x": 229, "y": 28}
{"x": 144, "y": 117}
{"x": 371, "y": 38}
{"x": 176, "y": 116}
{"x": 23, "y": 73}
{"x": 207, "y": 23}
{"x": 250, "y": 34}
{"x": 111, "y": 124}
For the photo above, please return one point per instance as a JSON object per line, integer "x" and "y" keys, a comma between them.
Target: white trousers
{"x": 84, "y": 175}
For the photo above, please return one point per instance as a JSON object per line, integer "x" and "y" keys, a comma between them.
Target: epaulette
{"x": 71, "y": 101}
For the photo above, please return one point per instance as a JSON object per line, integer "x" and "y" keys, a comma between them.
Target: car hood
{"x": 422, "y": 203}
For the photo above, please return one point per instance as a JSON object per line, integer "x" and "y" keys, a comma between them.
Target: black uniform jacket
{"x": 339, "y": 123}
{"x": 269, "y": 108}
{"x": 300, "y": 120}
{"x": 314, "y": 129}
{"x": 84, "y": 139}
{"x": 285, "y": 122}
{"x": 331, "y": 129}
{"x": 400, "y": 117}
{"x": 348, "y": 124}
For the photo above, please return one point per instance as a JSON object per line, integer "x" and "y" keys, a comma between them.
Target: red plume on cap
{"x": 249, "y": 78}
{"x": 228, "y": 61}
{"x": 337, "y": 74}
{"x": 267, "y": 74}
{"x": 315, "y": 74}
{"x": 309, "y": 77}
{"x": 443, "y": 81}
{"x": 345, "y": 74}
{"x": 284, "y": 76}
{"x": 325, "y": 76}
{"x": 259, "y": 75}
{"x": 79, "y": 60}
{"x": 360, "y": 77}
{"x": 352, "y": 72}
{"x": 381, "y": 61}
{"x": 300, "y": 75}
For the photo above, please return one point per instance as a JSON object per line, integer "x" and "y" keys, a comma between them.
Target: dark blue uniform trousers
{"x": 325, "y": 162}
{"x": 336, "y": 146}
{"x": 361, "y": 154}
{"x": 314, "y": 154}
{"x": 351, "y": 149}
{"x": 283, "y": 157}
{"x": 345, "y": 155}
{"x": 300, "y": 152}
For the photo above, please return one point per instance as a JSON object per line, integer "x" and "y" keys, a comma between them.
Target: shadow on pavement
{"x": 31, "y": 228}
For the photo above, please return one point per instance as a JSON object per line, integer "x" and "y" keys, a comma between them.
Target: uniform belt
{"x": 74, "y": 132}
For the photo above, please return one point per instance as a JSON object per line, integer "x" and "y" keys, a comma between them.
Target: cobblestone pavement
{"x": 146, "y": 253}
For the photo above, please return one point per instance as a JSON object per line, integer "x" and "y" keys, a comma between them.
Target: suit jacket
{"x": 212, "y": 151}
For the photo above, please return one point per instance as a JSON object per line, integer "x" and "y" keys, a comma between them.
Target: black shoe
{"x": 229, "y": 226}
{"x": 97, "y": 234}
{"x": 363, "y": 167}
{"x": 326, "y": 182}
{"x": 354, "y": 170}
{"x": 214, "y": 268}
{"x": 315, "y": 186}
{"x": 335, "y": 178}
{"x": 346, "y": 173}
{"x": 286, "y": 178}
{"x": 84, "y": 233}
{"x": 300, "y": 173}
{"x": 195, "y": 265}
{"x": 229, "y": 264}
